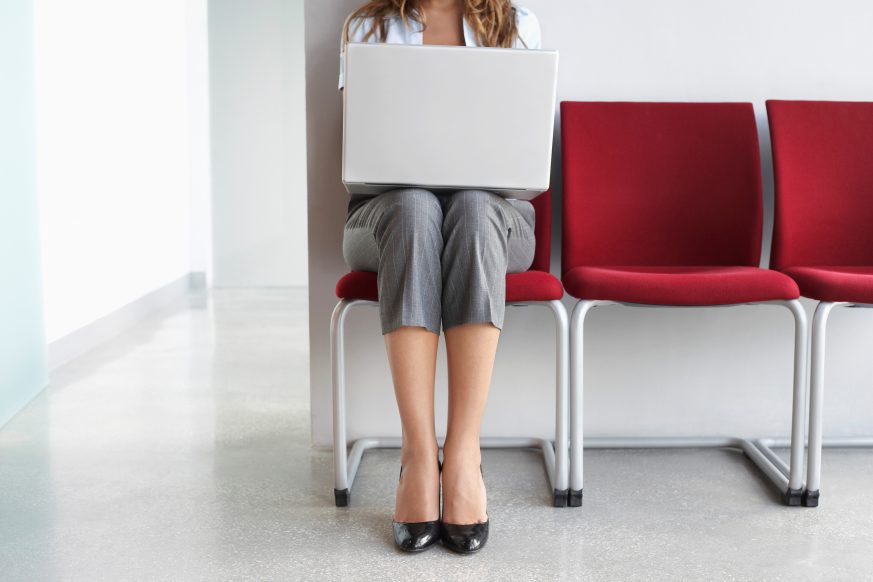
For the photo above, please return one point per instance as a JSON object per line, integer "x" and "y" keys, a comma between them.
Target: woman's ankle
{"x": 465, "y": 450}
{"x": 419, "y": 451}
{"x": 464, "y": 495}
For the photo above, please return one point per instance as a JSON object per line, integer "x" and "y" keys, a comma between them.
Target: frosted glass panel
{"x": 22, "y": 346}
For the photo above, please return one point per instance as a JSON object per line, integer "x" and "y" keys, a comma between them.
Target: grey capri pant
{"x": 440, "y": 257}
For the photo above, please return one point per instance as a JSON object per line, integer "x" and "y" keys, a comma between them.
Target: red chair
{"x": 823, "y": 162}
{"x": 663, "y": 207}
{"x": 535, "y": 287}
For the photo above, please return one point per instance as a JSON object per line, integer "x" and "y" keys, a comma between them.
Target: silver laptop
{"x": 448, "y": 118}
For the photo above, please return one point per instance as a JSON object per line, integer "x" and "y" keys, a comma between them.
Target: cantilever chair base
{"x": 758, "y": 451}
{"x": 810, "y": 497}
{"x": 555, "y": 454}
{"x": 342, "y": 497}
{"x": 787, "y": 479}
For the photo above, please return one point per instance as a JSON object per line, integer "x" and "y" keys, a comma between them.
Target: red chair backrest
{"x": 823, "y": 166}
{"x": 543, "y": 231}
{"x": 661, "y": 184}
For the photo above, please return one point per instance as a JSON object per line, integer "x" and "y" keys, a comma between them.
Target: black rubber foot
{"x": 810, "y": 498}
{"x": 792, "y": 497}
{"x": 575, "y": 498}
{"x": 341, "y": 497}
{"x": 560, "y": 498}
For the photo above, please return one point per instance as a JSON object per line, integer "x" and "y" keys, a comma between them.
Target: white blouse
{"x": 396, "y": 32}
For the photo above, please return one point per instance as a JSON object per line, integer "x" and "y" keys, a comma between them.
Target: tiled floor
{"x": 180, "y": 451}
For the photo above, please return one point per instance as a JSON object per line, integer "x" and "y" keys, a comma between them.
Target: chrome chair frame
{"x": 555, "y": 454}
{"x": 789, "y": 480}
{"x": 817, "y": 368}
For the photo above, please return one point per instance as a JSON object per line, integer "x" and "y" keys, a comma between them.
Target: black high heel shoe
{"x": 418, "y": 536}
{"x": 465, "y": 538}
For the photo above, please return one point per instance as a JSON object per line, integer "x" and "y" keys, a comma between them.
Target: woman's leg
{"x": 485, "y": 237}
{"x": 398, "y": 235}
{"x": 470, "y": 350}
{"x": 412, "y": 353}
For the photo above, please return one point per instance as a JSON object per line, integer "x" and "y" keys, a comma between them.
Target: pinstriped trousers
{"x": 440, "y": 258}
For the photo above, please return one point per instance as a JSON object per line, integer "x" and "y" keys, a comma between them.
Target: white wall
{"x": 119, "y": 163}
{"x": 258, "y": 142}
{"x": 649, "y": 372}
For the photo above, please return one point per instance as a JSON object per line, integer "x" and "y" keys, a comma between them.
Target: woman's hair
{"x": 493, "y": 21}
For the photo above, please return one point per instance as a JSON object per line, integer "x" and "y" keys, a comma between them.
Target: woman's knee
{"x": 411, "y": 212}
{"x": 474, "y": 214}
{"x": 475, "y": 199}
{"x": 407, "y": 201}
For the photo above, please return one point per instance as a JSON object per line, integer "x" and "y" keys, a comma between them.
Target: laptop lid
{"x": 448, "y": 118}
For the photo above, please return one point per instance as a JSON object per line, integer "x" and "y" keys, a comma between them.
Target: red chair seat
{"x": 529, "y": 286}
{"x": 680, "y": 285}
{"x": 533, "y": 286}
{"x": 851, "y": 284}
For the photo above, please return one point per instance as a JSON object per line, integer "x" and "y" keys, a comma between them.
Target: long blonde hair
{"x": 493, "y": 21}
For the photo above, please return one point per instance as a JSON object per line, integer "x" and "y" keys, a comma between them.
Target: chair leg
{"x": 792, "y": 495}
{"x": 562, "y": 415}
{"x": 817, "y": 366}
{"x": 338, "y": 380}
{"x": 577, "y": 328}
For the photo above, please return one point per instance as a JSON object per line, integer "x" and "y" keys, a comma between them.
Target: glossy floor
{"x": 180, "y": 451}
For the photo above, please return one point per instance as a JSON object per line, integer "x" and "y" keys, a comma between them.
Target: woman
{"x": 441, "y": 259}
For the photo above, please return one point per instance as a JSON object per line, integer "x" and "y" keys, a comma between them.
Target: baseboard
{"x": 87, "y": 338}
